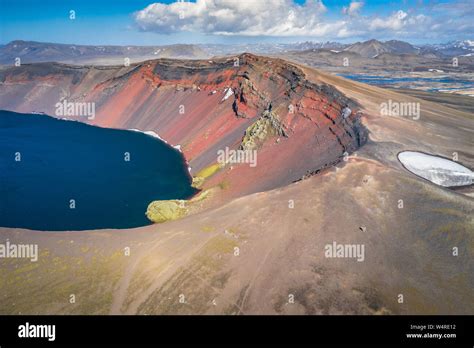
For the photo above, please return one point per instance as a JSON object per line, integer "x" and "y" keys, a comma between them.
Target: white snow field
{"x": 438, "y": 170}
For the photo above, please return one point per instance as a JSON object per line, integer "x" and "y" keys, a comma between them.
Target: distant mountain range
{"x": 373, "y": 48}
{"x": 31, "y": 51}
{"x": 454, "y": 48}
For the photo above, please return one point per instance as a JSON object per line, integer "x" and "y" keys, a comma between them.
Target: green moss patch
{"x": 266, "y": 126}
{"x": 203, "y": 174}
{"x": 161, "y": 211}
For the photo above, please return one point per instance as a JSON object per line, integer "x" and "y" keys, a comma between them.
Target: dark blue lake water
{"x": 63, "y": 175}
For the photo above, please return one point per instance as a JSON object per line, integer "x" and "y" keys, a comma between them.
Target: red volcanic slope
{"x": 150, "y": 95}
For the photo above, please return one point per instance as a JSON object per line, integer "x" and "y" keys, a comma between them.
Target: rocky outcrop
{"x": 266, "y": 126}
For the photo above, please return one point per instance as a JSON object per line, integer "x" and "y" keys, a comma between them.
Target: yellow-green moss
{"x": 267, "y": 125}
{"x": 197, "y": 181}
{"x": 209, "y": 170}
{"x": 205, "y": 173}
{"x": 208, "y": 228}
{"x": 200, "y": 196}
{"x": 161, "y": 211}
{"x": 223, "y": 185}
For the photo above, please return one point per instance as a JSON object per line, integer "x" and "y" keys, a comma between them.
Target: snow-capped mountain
{"x": 455, "y": 48}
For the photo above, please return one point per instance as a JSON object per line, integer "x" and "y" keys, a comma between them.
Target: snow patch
{"x": 228, "y": 93}
{"x": 438, "y": 170}
{"x": 150, "y": 133}
{"x": 346, "y": 112}
{"x": 155, "y": 135}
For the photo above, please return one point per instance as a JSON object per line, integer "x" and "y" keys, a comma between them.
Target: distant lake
{"x": 63, "y": 175}
{"x": 387, "y": 81}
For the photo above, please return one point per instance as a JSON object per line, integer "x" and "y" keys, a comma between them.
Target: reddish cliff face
{"x": 247, "y": 102}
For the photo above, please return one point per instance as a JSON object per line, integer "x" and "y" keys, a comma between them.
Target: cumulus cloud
{"x": 395, "y": 22}
{"x": 281, "y": 18}
{"x": 236, "y": 17}
{"x": 399, "y": 23}
{"x": 353, "y": 8}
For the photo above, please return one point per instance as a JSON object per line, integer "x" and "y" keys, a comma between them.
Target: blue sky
{"x": 134, "y": 22}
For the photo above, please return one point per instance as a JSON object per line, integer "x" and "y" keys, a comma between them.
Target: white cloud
{"x": 395, "y": 22}
{"x": 236, "y": 17}
{"x": 353, "y": 8}
{"x": 280, "y": 18}
{"x": 399, "y": 24}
